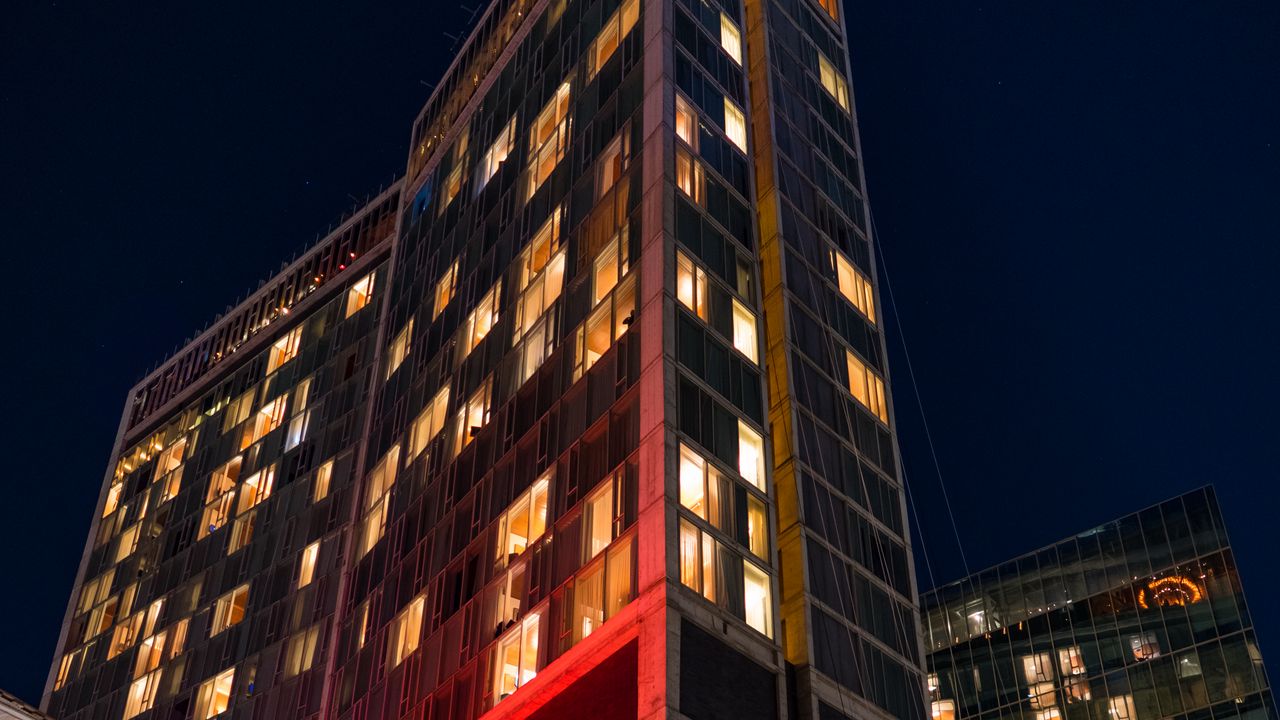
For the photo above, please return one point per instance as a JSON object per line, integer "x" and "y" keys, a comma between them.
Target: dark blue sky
{"x": 1077, "y": 203}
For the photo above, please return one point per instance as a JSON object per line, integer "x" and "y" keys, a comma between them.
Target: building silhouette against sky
{"x": 587, "y": 416}
{"x": 1137, "y": 619}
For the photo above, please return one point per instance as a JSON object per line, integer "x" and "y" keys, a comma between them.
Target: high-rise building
{"x": 1138, "y": 619}
{"x": 587, "y": 417}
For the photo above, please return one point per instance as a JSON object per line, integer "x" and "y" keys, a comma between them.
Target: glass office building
{"x": 1138, "y": 619}
{"x": 589, "y": 416}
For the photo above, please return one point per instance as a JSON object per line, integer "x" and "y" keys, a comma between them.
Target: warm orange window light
{"x": 854, "y": 286}
{"x": 611, "y": 35}
{"x": 229, "y": 609}
{"x": 689, "y": 176}
{"x": 691, "y": 285}
{"x": 307, "y": 565}
{"x": 284, "y": 350}
{"x": 686, "y": 122}
{"x": 735, "y": 124}
{"x": 214, "y": 696}
{"x": 446, "y": 287}
{"x": 867, "y": 387}
{"x": 360, "y": 294}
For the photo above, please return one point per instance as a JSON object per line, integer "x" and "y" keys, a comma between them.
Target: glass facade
{"x": 1141, "y": 618}
{"x": 213, "y": 564}
{"x": 608, "y": 373}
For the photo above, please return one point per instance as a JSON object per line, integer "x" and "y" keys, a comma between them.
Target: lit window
{"x": 689, "y": 176}
{"x": 830, "y": 7}
{"x": 256, "y": 488}
{"x": 229, "y": 609}
{"x": 297, "y": 431}
{"x": 599, "y": 520}
{"x": 268, "y": 418}
{"x": 127, "y": 542}
{"x": 750, "y": 455}
{"x": 833, "y": 81}
{"x": 497, "y": 154}
{"x": 689, "y": 573}
{"x": 941, "y": 709}
{"x": 219, "y": 498}
{"x": 549, "y": 138}
{"x": 612, "y": 162}
{"x": 605, "y": 325}
{"x": 360, "y": 294}
{"x": 609, "y": 267}
{"x": 428, "y": 423}
{"x": 150, "y": 653}
{"x": 512, "y": 594}
{"x": 698, "y": 560}
{"x": 446, "y": 287}
{"x": 405, "y": 633}
{"x": 480, "y": 321}
{"x": 324, "y": 474}
{"x": 399, "y": 349}
{"x": 453, "y": 181}
{"x": 517, "y": 660}
{"x": 284, "y": 349}
{"x": 867, "y": 387}
{"x": 1070, "y": 661}
{"x": 95, "y": 591}
{"x": 744, "y": 331}
{"x": 1122, "y": 707}
{"x": 758, "y": 598}
{"x": 730, "y": 38}
{"x": 113, "y": 498}
{"x": 361, "y": 623}
{"x": 301, "y": 393}
{"x": 242, "y": 532}
{"x": 541, "y": 276}
{"x": 380, "y": 481}
{"x": 855, "y": 287}
{"x": 239, "y": 409}
{"x": 735, "y": 125}
{"x": 452, "y": 186}
{"x": 1041, "y": 695}
{"x": 473, "y": 415}
{"x": 300, "y": 651}
{"x": 1037, "y": 668}
{"x": 588, "y": 602}
{"x": 686, "y": 122}
{"x": 214, "y": 695}
{"x": 618, "y": 584}
{"x": 757, "y": 528}
{"x": 693, "y": 490}
{"x": 170, "y": 459}
{"x": 545, "y": 243}
{"x": 524, "y": 522}
{"x": 142, "y": 695}
{"x": 538, "y": 344}
{"x": 125, "y": 634}
{"x": 307, "y": 564}
{"x": 691, "y": 285}
{"x": 611, "y": 35}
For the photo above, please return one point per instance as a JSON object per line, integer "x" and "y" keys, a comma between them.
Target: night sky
{"x": 1077, "y": 204}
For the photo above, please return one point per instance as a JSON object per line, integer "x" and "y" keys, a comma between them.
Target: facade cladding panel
{"x": 602, "y": 427}
{"x": 1141, "y": 618}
